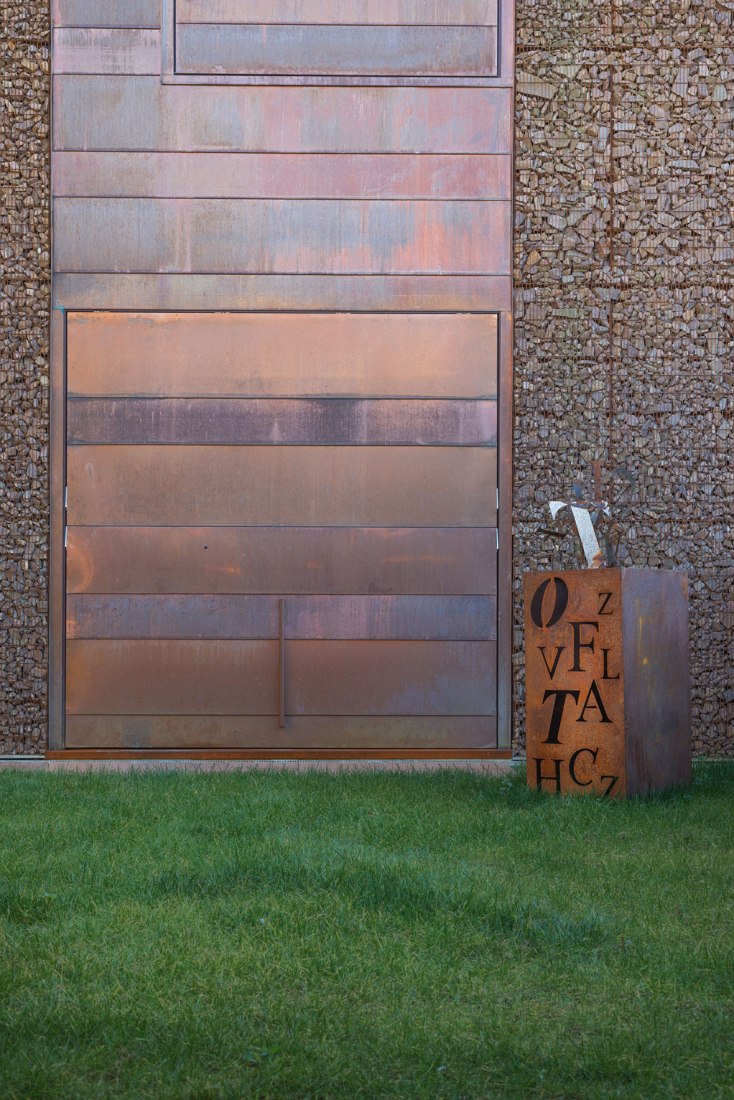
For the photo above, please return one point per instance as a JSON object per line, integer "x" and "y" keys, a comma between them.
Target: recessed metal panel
{"x": 310, "y": 486}
{"x": 427, "y": 618}
{"x": 337, "y": 421}
{"x": 164, "y": 732}
{"x": 331, "y": 560}
{"x": 437, "y": 355}
{"x": 240, "y": 677}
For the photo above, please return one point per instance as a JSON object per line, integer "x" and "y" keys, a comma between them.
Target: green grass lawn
{"x": 443, "y": 935}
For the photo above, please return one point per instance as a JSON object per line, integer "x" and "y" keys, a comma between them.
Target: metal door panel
{"x": 329, "y": 560}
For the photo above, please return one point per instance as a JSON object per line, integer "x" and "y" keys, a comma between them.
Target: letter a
{"x": 598, "y": 705}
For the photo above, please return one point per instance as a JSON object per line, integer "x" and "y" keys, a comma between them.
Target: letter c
{"x": 593, "y": 753}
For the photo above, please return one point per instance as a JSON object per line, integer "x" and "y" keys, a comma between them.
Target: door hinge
{"x": 66, "y": 537}
{"x": 497, "y": 498}
{"x": 497, "y": 536}
{"x": 66, "y": 497}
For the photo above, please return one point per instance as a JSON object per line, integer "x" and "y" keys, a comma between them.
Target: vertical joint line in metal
{"x": 281, "y": 664}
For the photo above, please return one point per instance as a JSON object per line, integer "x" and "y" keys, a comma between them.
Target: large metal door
{"x": 282, "y": 351}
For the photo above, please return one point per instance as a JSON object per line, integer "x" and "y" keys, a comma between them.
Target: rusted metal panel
{"x": 336, "y": 50}
{"x": 277, "y": 423}
{"x": 574, "y": 681}
{"x": 381, "y": 12}
{"x": 391, "y": 678}
{"x": 397, "y": 293}
{"x": 282, "y": 236}
{"x": 656, "y": 677}
{"x": 241, "y": 677}
{"x": 429, "y": 618}
{"x": 283, "y": 175}
{"x": 309, "y": 486}
{"x": 193, "y": 731}
{"x": 149, "y": 115}
{"x": 109, "y": 13}
{"x": 107, "y": 50}
{"x": 335, "y": 560}
{"x": 253, "y": 198}
{"x": 607, "y": 681}
{"x": 282, "y": 355}
{"x": 172, "y": 677}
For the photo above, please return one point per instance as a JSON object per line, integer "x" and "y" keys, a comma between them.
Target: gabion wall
{"x": 625, "y": 298}
{"x": 624, "y": 306}
{"x": 24, "y": 315}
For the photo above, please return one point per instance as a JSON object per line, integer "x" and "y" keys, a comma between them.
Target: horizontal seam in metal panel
{"x": 301, "y": 274}
{"x": 326, "y": 312}
{"x": 293, "y": 595}
{"x": 269, "y": 152}
{"x": 147, "y": 310}
{"x": 149, "y": 72}
{"x": 199, "y": 638}
{"x": 334, "y": 25}
{"x": 323, "y": 80}
{"x": 277, "y": 527}
{"x": 281, "y": 399}
{"x": 234, "y": 75}
{"x": 411, "y": 199}
{"x": 283, "y": 444}
{"x": 288, "y": 754}
{"x": 276, "y": 400}
{"x": 154, "y": 150}
{"x": 110, "y": 640}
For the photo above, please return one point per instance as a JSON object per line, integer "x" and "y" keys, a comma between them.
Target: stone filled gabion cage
{"x": 624, "y": 272}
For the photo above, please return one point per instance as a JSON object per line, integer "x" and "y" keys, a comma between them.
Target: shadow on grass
{"x": 375, "y": 887}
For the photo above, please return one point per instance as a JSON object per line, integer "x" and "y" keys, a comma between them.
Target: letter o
{"x": 559, "y": 606}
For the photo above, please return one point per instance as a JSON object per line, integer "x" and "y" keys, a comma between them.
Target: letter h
{"x": 555, "y": 778}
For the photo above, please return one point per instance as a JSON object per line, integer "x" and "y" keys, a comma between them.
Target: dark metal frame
{"x": 57, "y": 533}
{"x": 502, "y": 78}
{"x": 504, "y": 527}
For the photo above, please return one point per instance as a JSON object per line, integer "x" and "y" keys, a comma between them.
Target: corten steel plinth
{"x": 608, "y": 696}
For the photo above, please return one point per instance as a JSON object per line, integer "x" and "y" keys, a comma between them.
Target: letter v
{"x": 551, "y": 669}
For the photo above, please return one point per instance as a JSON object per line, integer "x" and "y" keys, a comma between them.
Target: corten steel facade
{"x": 281, "y": 369}
{"x": 623, "y": 300}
